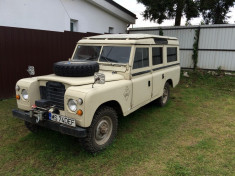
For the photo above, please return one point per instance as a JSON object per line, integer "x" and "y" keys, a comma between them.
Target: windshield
{"x": 87, "y": 53}
{"x": 116, "y": 54}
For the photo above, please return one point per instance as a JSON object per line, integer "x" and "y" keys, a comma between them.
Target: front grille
{"x": 54, "y": 92}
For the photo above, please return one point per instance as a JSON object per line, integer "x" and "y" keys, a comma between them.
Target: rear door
{"x": 158, "y": 53}
{"x": 172, "y": 64}
{"x": 141, "y": 76}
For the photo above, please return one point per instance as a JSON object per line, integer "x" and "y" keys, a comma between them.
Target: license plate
{"x": 62, "y": 119}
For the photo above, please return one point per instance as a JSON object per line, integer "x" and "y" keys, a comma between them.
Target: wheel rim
{"x": 165, "y": 95}
{"x": 103, "y": 130}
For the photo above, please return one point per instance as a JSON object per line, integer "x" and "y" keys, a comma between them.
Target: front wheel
{"x": 162, "y": 101}
{"x": 102, "y": 131}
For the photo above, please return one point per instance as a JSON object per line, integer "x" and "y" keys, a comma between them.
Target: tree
{"x": 160, "y": 10}
{"x": 215, "y": 11}
{"x": 161, "y": 32}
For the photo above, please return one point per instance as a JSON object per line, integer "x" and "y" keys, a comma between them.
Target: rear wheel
{"x": 102, "y": 131}
{"x": 162, "y": 101}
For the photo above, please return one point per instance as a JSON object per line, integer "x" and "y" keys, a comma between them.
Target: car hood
{"x": 76, "y": 81}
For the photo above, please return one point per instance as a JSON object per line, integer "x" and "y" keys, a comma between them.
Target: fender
{"x": 119, "y": 91}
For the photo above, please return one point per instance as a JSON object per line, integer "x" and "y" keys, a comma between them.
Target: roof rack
{"x": 128, "y": 37}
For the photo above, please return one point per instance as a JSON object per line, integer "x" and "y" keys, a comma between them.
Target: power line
{"x": 65, "y": 9}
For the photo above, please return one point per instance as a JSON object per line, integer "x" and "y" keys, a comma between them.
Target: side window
{"x": 157, "y": 55}
{"x": 141, "y": 58}
{"x": 171, "y": 54}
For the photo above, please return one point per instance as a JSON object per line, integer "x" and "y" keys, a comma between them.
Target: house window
{"x": 141, "y": 58}
{"x": 157, "y": 55}
{"x": 74, "y": 25}
{"x": 111, "y": 30}
{"x": 171, "y": 54}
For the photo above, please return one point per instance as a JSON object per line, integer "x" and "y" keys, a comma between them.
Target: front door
{"x": 141, "y": 77}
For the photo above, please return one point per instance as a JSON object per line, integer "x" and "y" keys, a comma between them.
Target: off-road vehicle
{"x": 108, "y": 76}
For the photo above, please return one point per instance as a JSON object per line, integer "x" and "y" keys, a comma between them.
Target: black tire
{"x": 162, "y": 101}
{"x": 32, "y": 127}
{"x": 91, "y": 143}
{"x": 75, "y": 69}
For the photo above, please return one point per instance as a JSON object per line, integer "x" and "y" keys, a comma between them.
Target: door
{"x": 158, "y": 70}
{"x": 141, "y": 77}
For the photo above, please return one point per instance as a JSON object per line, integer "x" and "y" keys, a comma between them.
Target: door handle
{"x": 163, "y": 76}
{"x": 149, "y": 83}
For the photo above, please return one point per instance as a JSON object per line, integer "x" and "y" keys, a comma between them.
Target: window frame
{"x": 107, "y": 63}
{"x": 111, "y": 30}
{"x": 74, "y": 23}
{"x": 177, "y": 54}
{"x": 136, "y": 70}
{"x": 163, "y": 56}
{"x": 87, "y": 44}
{"x": 74, "y": 52}
{"x": 114, "y": 62}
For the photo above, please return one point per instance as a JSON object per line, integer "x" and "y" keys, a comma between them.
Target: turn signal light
{"x": 17, "y": 97}
{"x": 79, "y": 112}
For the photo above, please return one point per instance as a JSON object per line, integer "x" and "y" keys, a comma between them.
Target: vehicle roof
{"x": 130, "y": 39}
{"x": 129, "y": 36}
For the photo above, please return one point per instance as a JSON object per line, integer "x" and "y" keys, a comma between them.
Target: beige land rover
{"x": 107, "y": 77}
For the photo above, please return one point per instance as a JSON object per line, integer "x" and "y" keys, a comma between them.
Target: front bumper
{"x": 72, "y": 131}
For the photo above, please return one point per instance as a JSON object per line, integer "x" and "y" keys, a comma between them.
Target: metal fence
{"x": 22, "y": 47}
{"x": 216, "y": 44}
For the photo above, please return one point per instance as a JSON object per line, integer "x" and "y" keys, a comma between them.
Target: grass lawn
{"x": 193, "y": 135}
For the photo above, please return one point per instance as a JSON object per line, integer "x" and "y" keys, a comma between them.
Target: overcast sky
{"x": 137, "y": 9}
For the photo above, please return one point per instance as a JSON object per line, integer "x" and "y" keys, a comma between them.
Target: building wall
{"x": 90, "y": 17}
{"x": 216, "y": 44}
{"x": 55, "y": 15}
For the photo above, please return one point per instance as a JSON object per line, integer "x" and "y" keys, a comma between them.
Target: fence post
{"x": 195, "y": 48}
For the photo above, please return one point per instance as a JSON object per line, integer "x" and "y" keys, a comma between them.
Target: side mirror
{"x": 99, "y": 78}
{"x": 31, "y": 70}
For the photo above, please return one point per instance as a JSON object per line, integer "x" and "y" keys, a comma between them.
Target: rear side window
{"x": 171, "y": 54}
{"x": 157, "y": 55}
{"x": 141, "y": 58}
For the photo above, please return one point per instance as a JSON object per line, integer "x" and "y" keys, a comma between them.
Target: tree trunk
{"x": 178, "y": 19}
{"x": 179, "y": 11}
{"x": 218, "y": 17}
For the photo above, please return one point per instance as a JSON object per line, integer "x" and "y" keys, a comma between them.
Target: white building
{"x": 100, "y": 16}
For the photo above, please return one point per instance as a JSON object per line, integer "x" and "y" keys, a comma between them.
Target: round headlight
{"x": 25, "y": 94}
{"x": 72, "y": 104}
{"x": 80, "y": 101}
{"x": 17, "y": 88}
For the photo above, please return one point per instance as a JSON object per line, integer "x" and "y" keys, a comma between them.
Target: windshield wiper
{"x": 105, "y": 58}
{"x": 86, "y": 58}
{"x": 108, "y": 55}
{"x": 110, "y": 60}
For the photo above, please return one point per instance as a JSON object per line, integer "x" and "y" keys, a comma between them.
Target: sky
{"x": 137, "y": 9}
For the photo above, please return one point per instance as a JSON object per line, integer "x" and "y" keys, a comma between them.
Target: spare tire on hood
{"x": 75, "y": 68}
